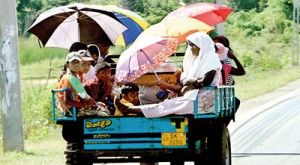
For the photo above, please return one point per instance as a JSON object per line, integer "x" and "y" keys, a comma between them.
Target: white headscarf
{"x": 100, "y": 58}
{"x": 195, "y": 67}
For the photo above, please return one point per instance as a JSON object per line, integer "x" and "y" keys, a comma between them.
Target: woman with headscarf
{"x": 201, "y": 67}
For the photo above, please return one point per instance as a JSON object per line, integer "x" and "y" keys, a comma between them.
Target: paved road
{"x": 267, "y": 130}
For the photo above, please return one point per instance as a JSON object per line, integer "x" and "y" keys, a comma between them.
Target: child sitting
{"x": 130, "y": 97}
{"x": 80, "y": 100}
{"x": 100, "y": 87}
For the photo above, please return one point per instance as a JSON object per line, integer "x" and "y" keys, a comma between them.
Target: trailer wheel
{"x": 149, "y": 163}
{"x": 219, "y": 147}
{"x": 177, "y": 162}
{"x": 74, "y": 157}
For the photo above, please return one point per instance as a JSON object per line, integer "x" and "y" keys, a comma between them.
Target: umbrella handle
{"x": 176, "y": 61}
{"x": 158, "y": 78}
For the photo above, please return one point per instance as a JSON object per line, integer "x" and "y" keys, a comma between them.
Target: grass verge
{"x": 48, "y": 151}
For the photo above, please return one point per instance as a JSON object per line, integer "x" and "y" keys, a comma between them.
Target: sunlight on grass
{"x": 256, "y": 83}
{"x": 45, "y": 152}
{"x": 40, "y": 70}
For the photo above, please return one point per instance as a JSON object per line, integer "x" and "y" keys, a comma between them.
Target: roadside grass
{"x": 256, "y": 82}
{"x": 48, "y": 151}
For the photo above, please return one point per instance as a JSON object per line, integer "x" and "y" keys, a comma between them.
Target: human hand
{"x": 90, "y": 103}
{"x": 101, "y": 104}
{"x": 162, "y": 84}
{"x": 186, "y": 88}
{"x": 177, "y": 74}
{"x": 189, "y": 81}
{"x": 230, "y": 55}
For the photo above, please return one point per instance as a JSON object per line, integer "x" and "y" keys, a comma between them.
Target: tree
{"x": 247, "y": 5}
{"x": 28, "y": 10}
{"x": 153, "y": 11}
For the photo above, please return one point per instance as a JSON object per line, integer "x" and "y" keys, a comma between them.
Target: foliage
{"x": 153, "y": 11}
{"x": 247, "y": 5}
{"x": 28, "y": 10}
{"x": 261, "y": 41}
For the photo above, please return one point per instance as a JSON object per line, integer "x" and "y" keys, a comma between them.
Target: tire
{"x": 177, "y": 162}
{"x": 149, "y": 163}
{"x": 219, "y": 147}
{"x": 74, "y": 157}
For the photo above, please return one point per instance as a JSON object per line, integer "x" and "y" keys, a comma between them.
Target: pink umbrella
{"x": 144, "y": 56}
{"x": 209, "y": 13}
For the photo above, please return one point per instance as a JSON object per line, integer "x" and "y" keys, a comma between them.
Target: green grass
{"x": 256, "y": 82}
{"x": 40, "y": 70}
{"x": 48, "y": 151}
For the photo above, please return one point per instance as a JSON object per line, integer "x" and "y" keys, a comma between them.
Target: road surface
{"x": 267, "y": 131}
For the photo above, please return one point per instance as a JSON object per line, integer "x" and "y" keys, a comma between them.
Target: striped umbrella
{"x": 135, "y": 24}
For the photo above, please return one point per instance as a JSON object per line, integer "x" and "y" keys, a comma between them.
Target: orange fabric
{"x": 125, "y": 102}
{"x": 65, "y": 83}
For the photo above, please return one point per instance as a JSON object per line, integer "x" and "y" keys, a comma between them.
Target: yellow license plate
{"x": 173, "y": 138}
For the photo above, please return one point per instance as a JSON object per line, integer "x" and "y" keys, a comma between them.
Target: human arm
{"x": 206, "y": 81}
{"x": 239, "y": 71}
{"x": 164, "y": 85}
{"x": 198, "y": 84}
{"x": 108, "y": 90}
{"x": 84, "y": 103}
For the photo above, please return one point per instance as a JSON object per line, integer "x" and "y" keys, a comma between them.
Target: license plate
{"x": 173, "y": 139}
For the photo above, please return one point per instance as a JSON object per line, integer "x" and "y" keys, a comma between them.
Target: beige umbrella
{"x": 61, "y": 26}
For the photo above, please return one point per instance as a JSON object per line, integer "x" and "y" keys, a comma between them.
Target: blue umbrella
{"x": 135, "y": 24}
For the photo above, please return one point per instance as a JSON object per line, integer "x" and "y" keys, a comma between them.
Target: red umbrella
{"x": 209, "y": 13}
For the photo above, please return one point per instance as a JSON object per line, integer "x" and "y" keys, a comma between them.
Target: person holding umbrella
{"x": 201, "y": 67}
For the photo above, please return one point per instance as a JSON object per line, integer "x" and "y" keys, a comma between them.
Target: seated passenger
{"x": 130, "y": 97}
{"x": 95, "y": 53}
{"x": 76, "y": 46}
{"x": 201, "y": 67}
{"x": 80, "y": 100}
{"x": 86, "y": 67}
{"x": 100, "y": 87}
{"x": 149, "y": 94}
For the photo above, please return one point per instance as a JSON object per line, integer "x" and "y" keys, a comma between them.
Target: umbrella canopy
{"x": 179, "y": 28}
{"x": 135, "y": 24}
{"x": 142, "y": 57}
{"x": 61, "y": 26}
{"x": 208, "y": 13}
